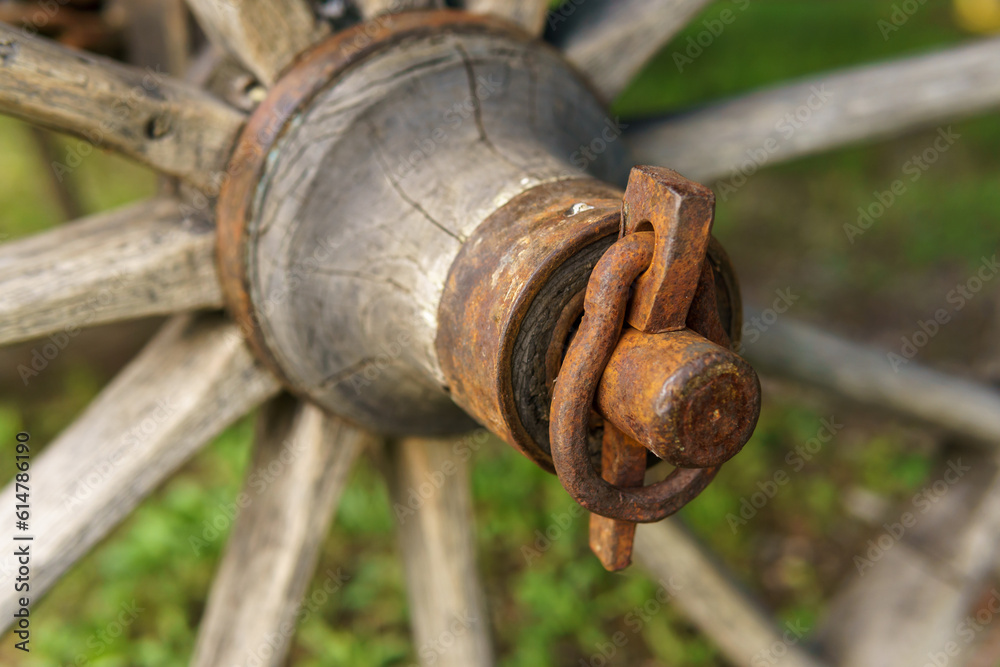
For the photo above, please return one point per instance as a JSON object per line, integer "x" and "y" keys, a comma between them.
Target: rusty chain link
{"x": 666, "y": 382}
{"x": 573, "y": 396}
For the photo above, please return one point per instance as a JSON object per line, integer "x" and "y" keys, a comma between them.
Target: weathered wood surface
{"x": 353, "y": 263}
{"x": 265, "y": 35}
{"x": 141, "y": 260}
{"x": 611, "y": 40}
{"x": 803, "y": 353}
{"x": 923, "y": 573}
{"x": 300, "y": 466}
{"x": 529, "y": 14}
{"x": 689, "y": 579}
{"x": 143, "y": 114}
{"x": 431, "y": 495}
{"x": 763, "y": 128}
{"x": 195, "y": 378}
{"x": 371, "y": 8}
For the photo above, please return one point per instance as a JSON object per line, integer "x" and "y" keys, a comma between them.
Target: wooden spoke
{"x": 929, "y": 569}
{"x": 270, "y": 557}
{"x": 265, "y": 35}
{"x": 611, "y": 40}
{"x": 774, "y": 125}
{"x": 189, "y": 383}
{"x": 137, "y": 261}
{"x": 48, "y": 150}
{"x": 157, "y": 33}
{"x": 144, "y": 114}
{"x": 805, "y": 354}
{"x": 429, "y": 484}
{"x": 371, "y": 8}
{"x": 706, "y": 594}
{"x": 529, "y": 14}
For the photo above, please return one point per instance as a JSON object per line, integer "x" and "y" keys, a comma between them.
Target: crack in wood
{"x": 477, "y": 112}
{"x": 344, "y": 273}
{"x": 387, "y": 170}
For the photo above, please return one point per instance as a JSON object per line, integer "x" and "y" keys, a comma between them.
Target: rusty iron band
{"x": 495, "y": 320}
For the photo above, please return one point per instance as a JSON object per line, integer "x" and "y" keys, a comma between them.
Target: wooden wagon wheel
{"x": 408, "y": 131}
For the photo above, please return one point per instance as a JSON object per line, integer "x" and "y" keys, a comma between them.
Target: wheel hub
{"x": 359, "y": 178}
{"x": 415, "y": 212}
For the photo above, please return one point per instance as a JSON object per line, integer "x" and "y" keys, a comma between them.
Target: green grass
{"x": 785, "y": 228}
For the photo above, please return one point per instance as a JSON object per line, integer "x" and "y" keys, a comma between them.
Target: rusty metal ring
{"x": 573, "y": 397}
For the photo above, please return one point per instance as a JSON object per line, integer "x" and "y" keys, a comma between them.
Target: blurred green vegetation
{"x": 783, "y": 229}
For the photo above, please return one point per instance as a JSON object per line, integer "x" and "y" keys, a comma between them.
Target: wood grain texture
{"x": 371, "y": 8}
{"x": 300, "y": 465}
{"x": 368, "y": 196}
{"x": 141, "y": 260}
{"x": 611, "y": 40}
{"x": 265, "y": 35}
{"x": 707, "y": 596}
{"x": 195, "y": 378}
{"x": 143, "y": 114}
{"x": 529, "y": 14}
{"x": 906, "y": 598}
{"x": 825, "y": 112}
{"x": 806, "y": 354}
{"x": 430, "y": 489}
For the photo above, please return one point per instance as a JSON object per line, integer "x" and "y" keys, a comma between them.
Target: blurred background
{"x": 785, "y": 232}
